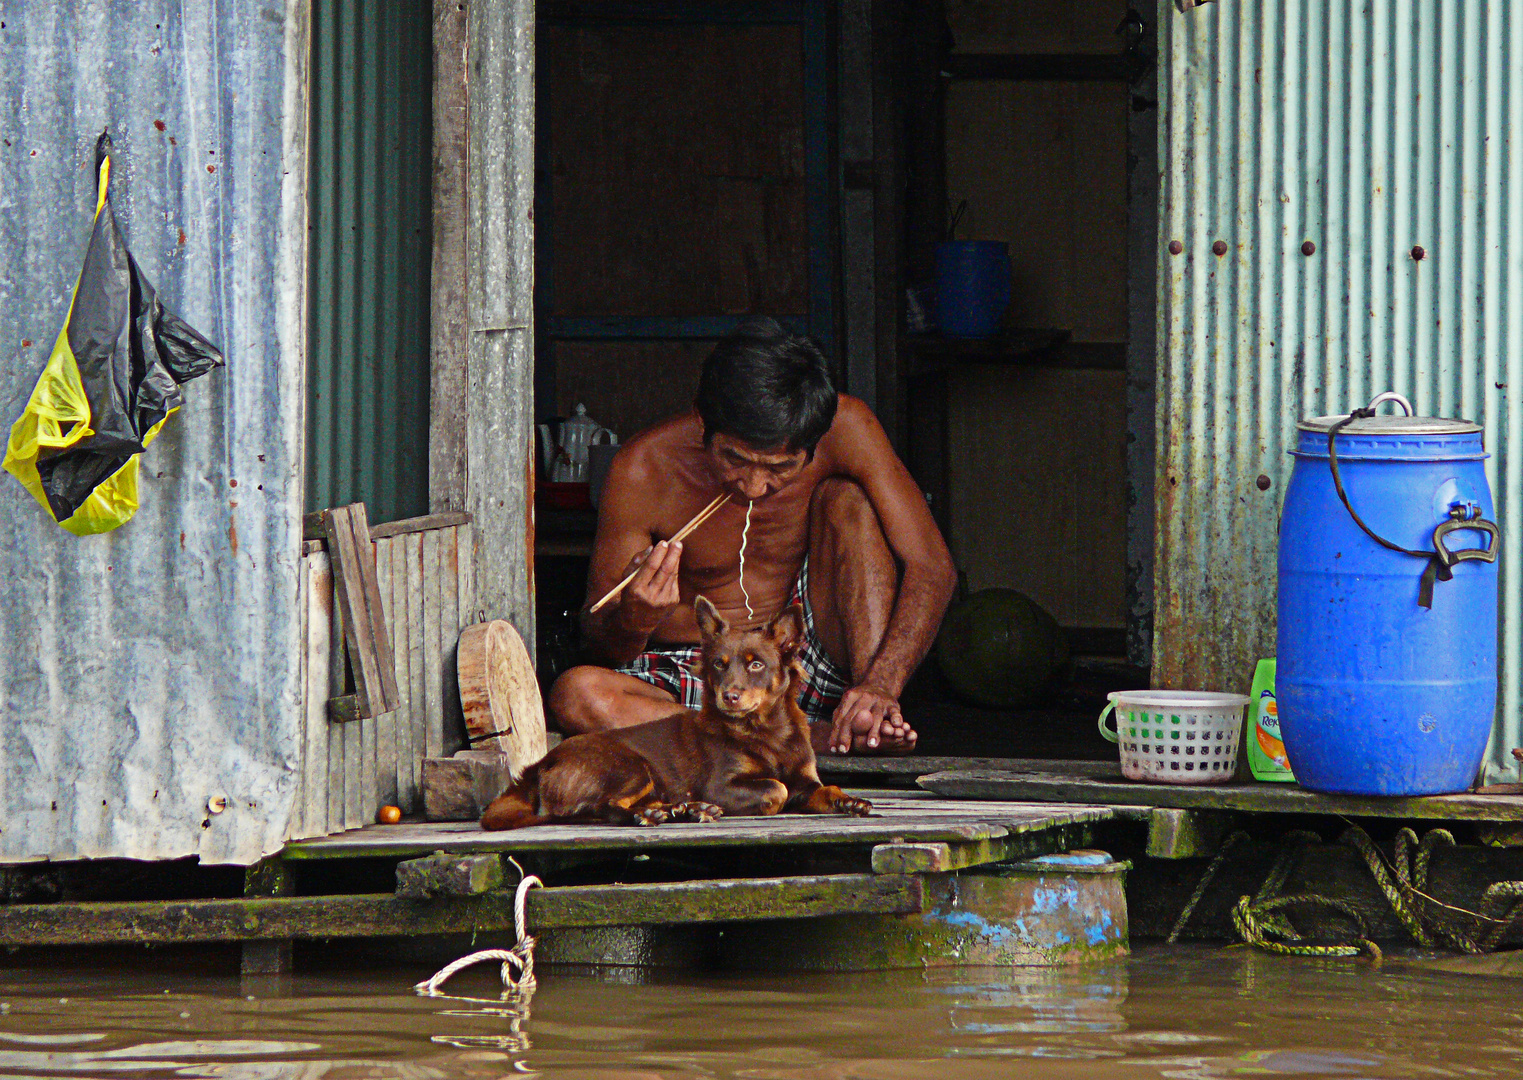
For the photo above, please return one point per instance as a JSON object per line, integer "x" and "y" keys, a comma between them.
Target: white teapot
{"x": 566, "y": 459}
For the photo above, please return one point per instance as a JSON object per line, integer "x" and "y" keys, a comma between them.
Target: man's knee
{"x": 841, "y": 506}
{"x": 581, "y": 699}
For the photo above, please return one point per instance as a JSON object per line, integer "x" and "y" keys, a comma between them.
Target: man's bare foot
{"x": 869, "y": 721}
{"x": 896, "y": 741}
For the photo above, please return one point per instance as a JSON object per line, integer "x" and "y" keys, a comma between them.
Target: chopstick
{"x": 702, "y": 516}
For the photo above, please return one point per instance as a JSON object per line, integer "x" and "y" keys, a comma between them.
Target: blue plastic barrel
{"x": 1379, "y": 695}
{"x": 972, "y": 287}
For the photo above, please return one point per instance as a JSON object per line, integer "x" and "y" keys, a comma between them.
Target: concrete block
{"x": 441, "y": 874}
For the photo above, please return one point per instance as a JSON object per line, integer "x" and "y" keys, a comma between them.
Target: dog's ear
{"x": 710, "y": 622}
{"x": 787, "y": 630}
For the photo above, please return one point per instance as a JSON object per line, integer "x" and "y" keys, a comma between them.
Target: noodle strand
{"x": 744, "y": 536}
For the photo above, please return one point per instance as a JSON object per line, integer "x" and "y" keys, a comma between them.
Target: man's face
{"x": 752, "y": 473}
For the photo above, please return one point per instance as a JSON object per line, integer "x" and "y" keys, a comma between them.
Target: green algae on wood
{"x": 935, "y": 857}
{"x": 307, "y": 917}
{"x": 442, "y": 874}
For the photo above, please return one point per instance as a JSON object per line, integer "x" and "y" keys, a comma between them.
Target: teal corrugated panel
{"x": 371, "y": 142}
{"x": 1367, "y": 130}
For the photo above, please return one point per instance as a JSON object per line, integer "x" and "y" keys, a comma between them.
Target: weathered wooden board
{"x": 864, "y": 768}
{"x": 724, "y": 900}
{"x": 433, "y": 654}
{"x": 440, "y": 874}
{"x": 417, "y": 666}
{"x": 907, "y": 817}
{"x": 449, "y": 346}
{"x": 448, "y": 520}
{"x": 317, "y": 615}
{"x": 627, "y": 386}
{"x": 1074, "y": 782}
{"x": 359, "y": 598}
{"x": 452, "y": 616}
{"x": 399, "y": 768}
{"x": 678, "y": 175}
{"x": 339, "y": 735}
{"x": 386, "y": 724}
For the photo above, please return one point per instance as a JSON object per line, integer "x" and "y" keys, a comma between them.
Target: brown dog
{"x": 746, "y": 753}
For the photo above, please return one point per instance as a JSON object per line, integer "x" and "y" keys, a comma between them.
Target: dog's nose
{"x": 731, "y": 697}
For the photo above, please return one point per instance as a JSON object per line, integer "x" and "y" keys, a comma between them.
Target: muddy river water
{"x": 1199, "y": 1012}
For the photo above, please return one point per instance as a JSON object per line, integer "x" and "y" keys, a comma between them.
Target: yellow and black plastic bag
{"x": 112, "y": 380}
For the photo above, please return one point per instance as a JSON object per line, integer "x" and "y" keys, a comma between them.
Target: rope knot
{"x": 517, "y": 988}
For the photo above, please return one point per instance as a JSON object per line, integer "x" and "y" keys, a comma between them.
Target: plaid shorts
{"x": 824, "y": 681}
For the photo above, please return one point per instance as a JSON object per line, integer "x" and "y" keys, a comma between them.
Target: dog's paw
{"x": 653, "y": 815}
{"x": 696, "y": 811}
{"x": 850, "y": 804}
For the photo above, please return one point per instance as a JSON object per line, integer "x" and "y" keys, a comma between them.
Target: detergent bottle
{"x": 1262, "y": 745}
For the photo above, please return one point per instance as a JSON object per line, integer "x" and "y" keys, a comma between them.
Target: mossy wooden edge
{"x": 1250, "y": 798}
{"x": 409, "y": 841}
{"x": 309, "y": 917}
{"x": 943, "y": 857}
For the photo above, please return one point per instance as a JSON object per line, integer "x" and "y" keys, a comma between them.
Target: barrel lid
{"x": 1394, "y": 426}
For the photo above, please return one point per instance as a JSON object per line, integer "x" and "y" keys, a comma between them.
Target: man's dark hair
{"x": 768, "y": 388}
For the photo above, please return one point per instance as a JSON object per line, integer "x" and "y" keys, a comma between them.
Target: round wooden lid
{"x": 499, "y": 694}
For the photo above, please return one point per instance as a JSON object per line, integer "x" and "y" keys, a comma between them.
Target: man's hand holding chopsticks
{"x": 652, "y": 593}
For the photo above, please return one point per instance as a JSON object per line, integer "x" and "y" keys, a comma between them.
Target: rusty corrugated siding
{"x": 1365, "y": 130}
{"x": 150, "y": 669}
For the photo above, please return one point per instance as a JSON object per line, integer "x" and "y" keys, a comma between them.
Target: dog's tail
{"x": 518, "y": 807}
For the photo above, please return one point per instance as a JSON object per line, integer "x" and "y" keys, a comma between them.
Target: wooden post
{"x": 446, "y": 429}
{"x": 1187, "y": 834}
{"x": 889, "y": 27}
{"x": 270, "y": 877}
{"x": 481, "y": 430}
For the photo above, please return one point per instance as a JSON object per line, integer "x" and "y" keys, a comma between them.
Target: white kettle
{"x": 566, "y": 459}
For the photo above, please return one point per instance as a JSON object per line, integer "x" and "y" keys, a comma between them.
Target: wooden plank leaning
{"x": 380, "y": 638}
{"x": 358, "y": 595}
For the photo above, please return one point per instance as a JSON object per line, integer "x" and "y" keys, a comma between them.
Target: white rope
{"x": 744, "y": 536}
{"x": 521, "y": 955}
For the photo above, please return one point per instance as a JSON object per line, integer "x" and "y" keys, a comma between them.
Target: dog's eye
{"x": 718, "y": 662}
{"x": 756, "y": 665}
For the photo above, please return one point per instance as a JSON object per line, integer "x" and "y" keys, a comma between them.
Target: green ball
{"x": 999, "y": 648}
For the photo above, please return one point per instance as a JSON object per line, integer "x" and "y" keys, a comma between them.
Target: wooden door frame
{"x": 482, "y": 350}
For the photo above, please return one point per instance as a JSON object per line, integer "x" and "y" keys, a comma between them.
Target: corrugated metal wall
{"x": 1366, "y": 130}
{"x": 371, "y": 213}
{"x": 150, "y": 669}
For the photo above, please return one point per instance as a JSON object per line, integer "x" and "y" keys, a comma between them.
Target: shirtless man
{"x": 833, "y": 513}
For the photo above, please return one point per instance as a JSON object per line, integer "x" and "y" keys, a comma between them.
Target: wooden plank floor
{"x": 861, "y": 769}
{"x": 910, "y": 817}
{"x": 1061, "y": 782}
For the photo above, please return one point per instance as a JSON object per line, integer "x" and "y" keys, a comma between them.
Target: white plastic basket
{"x": 1176, "y": 736}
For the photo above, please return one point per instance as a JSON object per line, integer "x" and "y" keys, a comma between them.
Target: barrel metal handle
{"x": 1390, "y": 395}
{"x": 1465, "y": 516}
